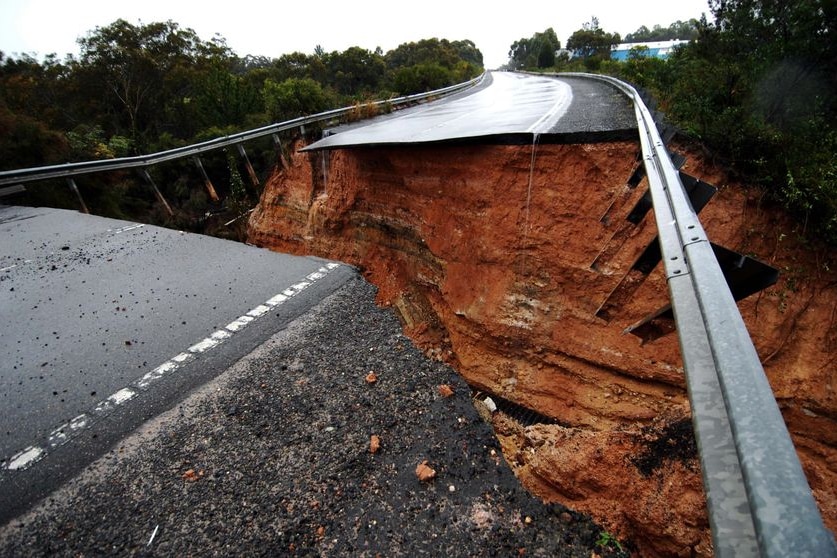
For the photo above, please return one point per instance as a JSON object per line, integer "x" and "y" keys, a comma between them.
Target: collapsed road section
{"x": 525, "y": 266}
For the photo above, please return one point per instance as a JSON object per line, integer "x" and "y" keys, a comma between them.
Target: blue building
{"x": 659, "y": 49}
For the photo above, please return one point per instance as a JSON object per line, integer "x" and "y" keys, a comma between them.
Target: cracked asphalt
{"x": 272, "y": 458}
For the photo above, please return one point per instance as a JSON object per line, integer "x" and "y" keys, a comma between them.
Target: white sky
{"x": 275, "y": 27}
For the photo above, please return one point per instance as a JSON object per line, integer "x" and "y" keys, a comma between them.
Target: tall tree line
{"x": 138, "y": 88}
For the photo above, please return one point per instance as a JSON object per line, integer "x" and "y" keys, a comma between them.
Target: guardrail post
{"x": 72, "y": 184}
{"x": 277, "y": 142}
{"x": 210, "y": 189}
{"x": 253, "y": 178}
{"x": 157, "y": 191}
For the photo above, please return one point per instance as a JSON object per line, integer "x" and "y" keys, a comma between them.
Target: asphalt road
{"x": 106, "y": 323}
{"x": 274, "y": 458}
{"x": 508, "y": 107}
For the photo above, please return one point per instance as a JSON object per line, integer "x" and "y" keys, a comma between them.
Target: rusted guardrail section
{"x": 759, "y": 501}
{"x": 68, "y": 170}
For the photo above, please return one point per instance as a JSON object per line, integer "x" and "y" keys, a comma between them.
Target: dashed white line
{"x": 276, "y": 300}
{"x": 203, "y": 346}
{"x": 183, "y": 357}
{"x": 118, "y": 398}
{"x": 126, "y": 229}
{"x": 156, "y": 374}
{"x": 259, "y": 311}
{"x": 236, "y": 325}
{"x": 61, "y": 435}
{"x": 25, "y": 458}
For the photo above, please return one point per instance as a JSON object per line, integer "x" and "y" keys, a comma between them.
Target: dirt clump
{"x": 521, "y": 276}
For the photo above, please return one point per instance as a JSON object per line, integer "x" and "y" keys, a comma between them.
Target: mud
{"x": 513, "y": 263}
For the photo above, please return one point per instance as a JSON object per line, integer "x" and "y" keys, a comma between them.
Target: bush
{"x": 295, "y": 97}
{"x": 421, "y": 78}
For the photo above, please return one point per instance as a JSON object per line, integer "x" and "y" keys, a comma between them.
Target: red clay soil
{"x": 514, "y": 278}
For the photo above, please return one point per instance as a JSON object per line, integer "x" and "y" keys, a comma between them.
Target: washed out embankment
{"x": 506, "y": 261}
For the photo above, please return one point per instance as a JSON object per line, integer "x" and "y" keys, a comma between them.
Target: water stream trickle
{"x": 535, "y": 138}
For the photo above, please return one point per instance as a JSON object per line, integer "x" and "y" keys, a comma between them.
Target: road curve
{"x": 506, "y": 106}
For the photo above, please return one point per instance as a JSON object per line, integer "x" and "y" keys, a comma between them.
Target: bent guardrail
{"x": 759, "y": 500}
{"x": 68, "y": 170}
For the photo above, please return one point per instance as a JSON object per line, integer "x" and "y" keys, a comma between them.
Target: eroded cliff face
{"x": 513, "y": 263}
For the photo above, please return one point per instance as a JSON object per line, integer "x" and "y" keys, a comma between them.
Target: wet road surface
{"x": 273, "y": 458}
{"x": 105, "y": 319}
{"x": 507, "y": 105}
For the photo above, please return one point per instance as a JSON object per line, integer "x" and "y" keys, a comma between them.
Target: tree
{"x": 294, "y": 97}
{"x": 592, "y": 42}
{"x": 141, "y": 68}
{"x": 538, "y": 51}
{"x": 432, "y": 63}
{"x": 355, "y": 71}
{"x": 224, "y": 99}
{"x": 421, "y": 77}
{"x": 679, "y": 30}
{"x": 468, "y": 52}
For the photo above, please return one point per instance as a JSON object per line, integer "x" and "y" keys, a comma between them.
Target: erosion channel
{"x": 513, "y": 263}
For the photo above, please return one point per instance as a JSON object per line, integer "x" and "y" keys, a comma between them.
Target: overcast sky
{"x": 275, "y": 27}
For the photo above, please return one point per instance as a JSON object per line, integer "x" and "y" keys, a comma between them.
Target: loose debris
{"x": 424, "y": 472}
{"x": 192, "y": 476}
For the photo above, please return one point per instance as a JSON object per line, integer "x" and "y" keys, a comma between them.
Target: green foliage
{"x": 89, "y": 142}
{"x": 431, "y": 64}
{"x": 538, "y": 51}
{"x": 294, "y": 97}
{"x": 758, "y": 88}
{"x": 679, "y": 30}
{"x": 141, "y": 72}
{"x": 422, "y": 77}
{"x": 607, "y": 541}
{"x": 355, "y": 70}
{"x": 238, "y": 193}
{"x": 592, "y": 43}
{"x": 224, "y": 99}
{"x": 27, "y": 142}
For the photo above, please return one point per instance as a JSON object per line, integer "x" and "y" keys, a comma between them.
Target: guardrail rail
{"x": 69, "y": 170}
{"x": 759, "y": 500}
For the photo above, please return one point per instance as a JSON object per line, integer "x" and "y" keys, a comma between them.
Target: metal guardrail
{"x": 759, "y": 501}
{"x": 68, "y": 170}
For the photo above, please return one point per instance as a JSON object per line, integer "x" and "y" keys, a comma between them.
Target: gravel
{"x": 273, "y": 458}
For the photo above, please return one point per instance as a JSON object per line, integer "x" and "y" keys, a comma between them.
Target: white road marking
{"x": 547, "y": 121}
{"x": 239, "y": 323}
{"x": 277, "y": 300}
{"x": 113, "y": 401}
{"x": 259, "y": 311}
{"x": 126, "y": 229}
{"x": 61, "y": 435}
{"x": 203, "y": 346}
{"x": 156, "y": 374}
{"x": 25, "y": 458}
{"x": 183, "y": 357}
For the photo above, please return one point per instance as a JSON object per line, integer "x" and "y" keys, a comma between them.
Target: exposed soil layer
{"x": 513, "y": 263}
